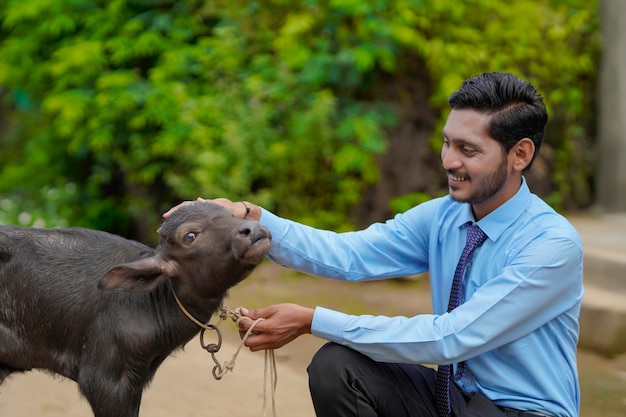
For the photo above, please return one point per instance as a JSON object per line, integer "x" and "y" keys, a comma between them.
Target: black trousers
{"x": 346, "y": 383}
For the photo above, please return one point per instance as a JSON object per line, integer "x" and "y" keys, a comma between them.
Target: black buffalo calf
{"x": 100, "y": 309}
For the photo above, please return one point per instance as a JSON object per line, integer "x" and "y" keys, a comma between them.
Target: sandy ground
{"x": 183, "y": 387}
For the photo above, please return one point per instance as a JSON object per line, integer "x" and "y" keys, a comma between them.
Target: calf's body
{"x": 100, "y": 309}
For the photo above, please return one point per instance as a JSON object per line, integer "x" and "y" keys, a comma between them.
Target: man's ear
{"x": 522, "y": 154}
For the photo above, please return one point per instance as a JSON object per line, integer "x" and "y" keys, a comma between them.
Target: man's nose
{"x": 450, "y": 159}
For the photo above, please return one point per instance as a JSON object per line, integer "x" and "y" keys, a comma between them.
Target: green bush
{"x": 142, "y": 103}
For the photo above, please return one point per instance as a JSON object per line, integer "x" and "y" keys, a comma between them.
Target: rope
{"x": 270, "y": 374}
{"x": 190, "y": 316}
{"x": 228, "y": 366}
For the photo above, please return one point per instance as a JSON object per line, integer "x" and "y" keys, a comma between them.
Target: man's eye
{"x": 189, "y": 238}
{"x": 468, "y": 151}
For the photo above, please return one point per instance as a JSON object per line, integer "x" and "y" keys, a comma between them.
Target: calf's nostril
{"x": 252, "y": 231}
{"x": 246, "y": 229}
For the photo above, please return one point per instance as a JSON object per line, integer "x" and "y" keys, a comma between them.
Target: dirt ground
{"x": 185, "y": 387}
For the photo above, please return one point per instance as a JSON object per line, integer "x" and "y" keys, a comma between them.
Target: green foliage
{"x": 405, "y": 202}
{"x": 142, "y": 103}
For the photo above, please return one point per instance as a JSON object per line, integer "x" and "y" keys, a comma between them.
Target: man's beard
{"x": 488, "y": 186}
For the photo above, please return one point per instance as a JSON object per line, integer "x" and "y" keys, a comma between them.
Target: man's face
{"x": 478, "y": 170}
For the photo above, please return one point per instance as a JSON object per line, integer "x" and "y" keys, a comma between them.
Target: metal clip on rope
{"x": 213, "y": 348}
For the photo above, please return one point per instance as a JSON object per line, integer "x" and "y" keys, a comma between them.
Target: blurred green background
{"x": 327, "y": 112}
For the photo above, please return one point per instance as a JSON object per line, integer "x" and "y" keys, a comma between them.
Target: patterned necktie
{"x": 475, "y": 238}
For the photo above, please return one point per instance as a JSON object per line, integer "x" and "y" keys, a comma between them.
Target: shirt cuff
{"x": 328, "y": 324}
{"x": 276, "y": 224}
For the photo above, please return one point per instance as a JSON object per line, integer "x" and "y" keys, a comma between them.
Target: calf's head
{"x": 202, "y": 248}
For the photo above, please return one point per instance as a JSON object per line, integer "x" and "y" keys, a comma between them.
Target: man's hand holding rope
{"x": 282, "y": 323}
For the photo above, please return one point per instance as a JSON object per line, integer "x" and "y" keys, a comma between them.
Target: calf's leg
{"x": 5, "y": 371}
{"x": 110, "y": 397}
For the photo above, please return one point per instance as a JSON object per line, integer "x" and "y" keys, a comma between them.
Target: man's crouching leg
{"x": 346, "y": 383}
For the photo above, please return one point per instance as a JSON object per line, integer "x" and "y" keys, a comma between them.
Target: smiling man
{"x": 505, "y": 272}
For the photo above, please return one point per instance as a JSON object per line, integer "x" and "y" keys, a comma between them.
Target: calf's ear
{"x": 143, "y": 275}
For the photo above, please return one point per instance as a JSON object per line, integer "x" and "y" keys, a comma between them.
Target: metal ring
{"x": 211, "y": 347}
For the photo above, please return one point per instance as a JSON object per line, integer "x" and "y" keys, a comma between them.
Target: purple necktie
{"x": 475, "y": 238}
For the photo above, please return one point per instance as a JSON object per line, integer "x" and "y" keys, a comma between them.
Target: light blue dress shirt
{"x": 517, "y": 329}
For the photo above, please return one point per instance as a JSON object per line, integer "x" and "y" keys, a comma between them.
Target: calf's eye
{"x": 189, "y": 238}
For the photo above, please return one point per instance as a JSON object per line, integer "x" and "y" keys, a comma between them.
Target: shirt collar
{"x": 496, "y": 222}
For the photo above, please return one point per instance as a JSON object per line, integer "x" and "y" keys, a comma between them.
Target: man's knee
{"x": 327, "y": 359}
{"x": 329, "y": 364}
{"x": 332, "y": 374}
